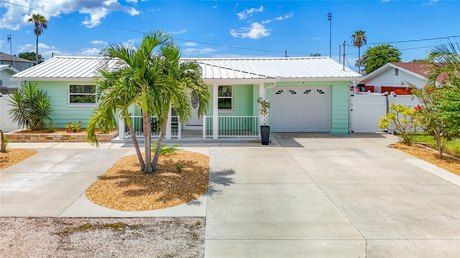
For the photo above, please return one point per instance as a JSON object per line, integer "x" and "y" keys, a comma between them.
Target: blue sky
{"x": 232, "y": 28}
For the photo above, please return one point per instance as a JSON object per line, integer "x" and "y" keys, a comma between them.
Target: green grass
{"x": 452, "y": 147}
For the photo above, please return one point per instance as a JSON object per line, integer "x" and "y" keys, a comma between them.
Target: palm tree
{"x": 180, "y": 80}
{"x": 359, "y": 39}
{"x": 154, "y": 82}
{"x": 446, "y": 60}
{"x": 40, "y": 25}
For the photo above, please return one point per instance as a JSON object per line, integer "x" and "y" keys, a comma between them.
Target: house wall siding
{"x": 64, "y": 113}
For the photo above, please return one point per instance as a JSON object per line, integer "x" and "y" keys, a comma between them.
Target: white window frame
{"x": 80, "y": 104}
{"x": 231, "y": 97}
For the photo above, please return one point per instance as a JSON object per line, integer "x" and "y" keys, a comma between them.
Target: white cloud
{"x": 190, "y": 44}
{"x": 431, "y": 2}
{"x": 182, "y": 31}
{"x": 98, "y": 42}
{"x": 243, "y": 15}
{"x": 17, "y": 11}
{"x": 279, "y": 18}
{"x": 256, "y": 31}
{"x": 198, "y": 51}
{"x": 91, "y": 51}
{"x": 45, "y": 50}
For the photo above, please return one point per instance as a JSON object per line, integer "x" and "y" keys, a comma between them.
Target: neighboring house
{"x": 7, "y": 86}
{"x": 395, "y": 77}
{"x": 20, "y": 64}
{"x": 6, "y": 71}
{"x": 307, "y": 94}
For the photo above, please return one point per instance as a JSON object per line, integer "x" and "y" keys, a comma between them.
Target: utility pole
{"x": 285, "y": 53}
{"x": 343, "y": 57}
{"x": 11, "y": 47}
{"x": 329, "y": 18}
{"x": 340, "y": 54}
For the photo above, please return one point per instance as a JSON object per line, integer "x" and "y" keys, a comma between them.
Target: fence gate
{"x": 366, "y": 111}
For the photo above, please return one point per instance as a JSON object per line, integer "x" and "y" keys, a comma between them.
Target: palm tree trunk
{"x": 156, "y": 156}
{"x": 36, "y": 50}
{"x": 147, "y": 142}
{"x": 359, "y": 59}
{"x": 129, "y": 123}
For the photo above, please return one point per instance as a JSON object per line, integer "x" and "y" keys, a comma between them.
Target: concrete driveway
{"x": 48, "y": 183}
{"x": 322, "y": 196}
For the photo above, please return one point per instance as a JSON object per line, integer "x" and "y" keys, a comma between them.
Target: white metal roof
{"x": 272, "y": 68}
{"x": 86, "y": 68}
{"x": 58, "y": 68}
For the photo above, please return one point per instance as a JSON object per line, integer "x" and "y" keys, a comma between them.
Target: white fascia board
{"x": 53, "y": 79}
{"x": 257, "y": 81}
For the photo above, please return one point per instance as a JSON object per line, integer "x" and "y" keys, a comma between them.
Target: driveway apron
{"x": 46, "y": 184}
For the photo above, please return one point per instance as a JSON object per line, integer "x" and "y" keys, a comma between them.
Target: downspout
{"x": 350, "y": 122}
{"x": 278, "y": 78}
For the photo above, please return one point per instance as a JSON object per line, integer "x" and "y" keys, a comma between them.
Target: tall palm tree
{"x": 446, "y": 60}
{"x": 359, "y": 39}
{"x": 40, "y": 25}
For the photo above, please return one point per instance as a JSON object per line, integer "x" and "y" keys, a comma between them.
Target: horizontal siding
{"x": 63, "y": 113}
{"x": 340, "y": 107}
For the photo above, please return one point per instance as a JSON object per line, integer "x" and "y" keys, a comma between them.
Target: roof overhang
{"x": 258, "y": 81}
{"x": 54, "y": 79}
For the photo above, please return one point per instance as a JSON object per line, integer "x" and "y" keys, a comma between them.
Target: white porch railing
{"x": 232, "y": 126}
{"x": 139, "y": 131}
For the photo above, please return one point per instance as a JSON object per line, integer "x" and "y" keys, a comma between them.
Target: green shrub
{"x": 165, "y": 149}
{"x": 30, "y": 107}
{"x": 403, "y": 120}
{"x": 180, "y": 166}
{"x": 5, "y": 140}
{"x": 73, "y": 127}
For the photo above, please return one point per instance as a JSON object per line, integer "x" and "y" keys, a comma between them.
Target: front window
{"x": 82, "y": 94}
{"x": 225, "y": 97}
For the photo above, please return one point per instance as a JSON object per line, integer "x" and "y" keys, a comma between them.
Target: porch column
{"x": 215, "y": 112}
{"x": 121, "y": 127}
{"x": 261, "y": 95}
{"x": 168, "y": 125}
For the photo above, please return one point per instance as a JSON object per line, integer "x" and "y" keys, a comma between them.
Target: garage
{"x": 301, "y": 109}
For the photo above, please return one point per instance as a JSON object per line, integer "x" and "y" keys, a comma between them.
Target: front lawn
{"x": 452, "y": 147}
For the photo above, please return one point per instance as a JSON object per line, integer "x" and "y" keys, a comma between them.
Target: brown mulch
{"x": 13, "y": 156}
{"x": 124, "y": 187}
{"x": 431, "y": 156}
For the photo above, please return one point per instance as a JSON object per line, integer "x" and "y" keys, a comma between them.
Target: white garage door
{"x": 301, "y": 109}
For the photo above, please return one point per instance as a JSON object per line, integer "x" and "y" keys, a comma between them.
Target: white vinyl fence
{"x": 6, "y": 124}
{"x": 366, "y": 109}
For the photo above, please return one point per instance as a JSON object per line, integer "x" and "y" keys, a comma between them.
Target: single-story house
{"x": 14, "y": 61}
{"x": 394, "y": 77}
{"x": 307, "y": 94}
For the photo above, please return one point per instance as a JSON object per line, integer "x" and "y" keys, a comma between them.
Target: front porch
{"x": 232, "y": 114}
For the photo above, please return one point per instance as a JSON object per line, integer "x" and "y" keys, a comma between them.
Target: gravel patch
{"x": 96, "y": 237}
{"x": 13, "y": 156}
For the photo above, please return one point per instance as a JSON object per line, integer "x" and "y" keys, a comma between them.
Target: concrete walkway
{"x": 322, "y": 196}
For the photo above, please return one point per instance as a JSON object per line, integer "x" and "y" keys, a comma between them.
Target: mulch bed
{"x": 124, "y": 187}
{"x": 431, "y": 156}
{"x": 102, "y": 237}
{"x": 58, "y": 131}
{"x": 13, "y": 156}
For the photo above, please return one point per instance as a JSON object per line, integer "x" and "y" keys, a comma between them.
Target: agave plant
{"x": 30, "y": 107}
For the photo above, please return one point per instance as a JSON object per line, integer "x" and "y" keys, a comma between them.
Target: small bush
{"x": 50, "y": 128}
{"x": 30, "y": 106}
{"x": 165, "y": 149}
{"x": 73, "y": 127}
{"x": 403, "y": 120}
{"x": 180, "y": 166}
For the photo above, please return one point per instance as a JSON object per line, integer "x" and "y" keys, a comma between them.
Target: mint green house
{"x": 307, "y": 94}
